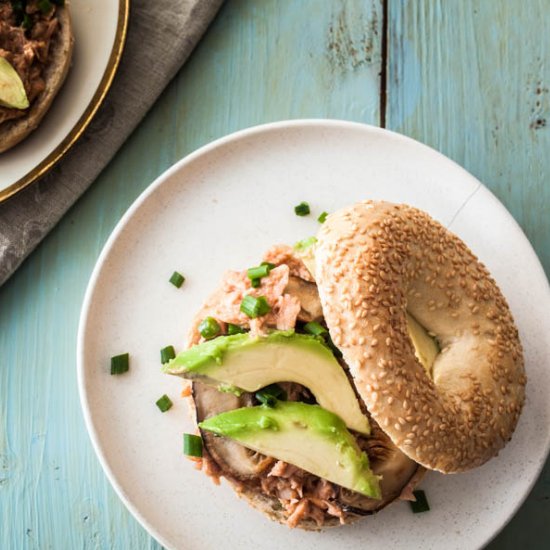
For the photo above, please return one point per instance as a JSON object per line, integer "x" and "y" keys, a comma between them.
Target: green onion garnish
{"x": 166, "y": 354}
{"x": 120, "y": 363}
{"x": 304, "y": 244}
{"x": 255, "y": 307}
{"x": 258, "y": 272}
{"x": 266, "y": 399}
{"x": 322, "y": 217}
{"x": 421, "y": 504}
{"x": 177, "y": 279}
{"x": 209, "y": 328}
{"x": 234, "y": 329}
{"x": 164, "y": 403}
{"x": 302, "y": 209}
{"x": 273, "y": 391}
{"x": 192, "y": 445}
{"x": 315, "y": 328}
{"x": 18, "y": 9}
{"x": 255, "y": 274}
{"x": 44, "y": 5}
{"x": 27, "y": 21}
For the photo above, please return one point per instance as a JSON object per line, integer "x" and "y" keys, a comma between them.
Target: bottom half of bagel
{"x": 282, "y": 491}
{"x": 292, "y": 496}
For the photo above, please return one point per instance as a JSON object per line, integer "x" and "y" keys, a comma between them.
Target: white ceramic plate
{"x": 99, "y": 29}
{"x": 220, "y": 208}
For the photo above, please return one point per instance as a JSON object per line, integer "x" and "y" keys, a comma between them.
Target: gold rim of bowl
{"x": 78, "y": 129}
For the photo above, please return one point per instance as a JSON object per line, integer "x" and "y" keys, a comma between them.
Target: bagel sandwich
{"x": 326, "y": 381}
{"x": 36, "y": 45}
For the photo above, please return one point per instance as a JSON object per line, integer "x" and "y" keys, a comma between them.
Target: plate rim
{"x": 166, "y": 175}
{"x": 87, "y": 116}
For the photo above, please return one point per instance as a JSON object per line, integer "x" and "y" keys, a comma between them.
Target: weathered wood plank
{"x": 471, "y": 78}
{"x": 260, "y": 61}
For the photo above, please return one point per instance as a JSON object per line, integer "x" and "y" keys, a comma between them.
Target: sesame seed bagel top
{"x": 376, "y": 261}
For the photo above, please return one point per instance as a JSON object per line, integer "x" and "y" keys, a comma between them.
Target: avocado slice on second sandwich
{"x": 12, "y": 91}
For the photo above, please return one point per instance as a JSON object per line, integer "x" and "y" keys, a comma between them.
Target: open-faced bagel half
{"x": 376, "y": 261}
{"x": 267, "y": 505}
{"x": 222, "y": 457}
{"x": 59, "y": 62}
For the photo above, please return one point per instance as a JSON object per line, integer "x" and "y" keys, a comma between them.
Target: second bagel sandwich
{"x": 326, "y": 380}
{"x": 36, "y": 46}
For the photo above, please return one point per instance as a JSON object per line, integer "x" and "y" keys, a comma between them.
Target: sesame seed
{"x": 401, "y": 252}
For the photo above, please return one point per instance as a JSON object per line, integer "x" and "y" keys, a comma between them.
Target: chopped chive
{"x": 302, "y": 209}
{"x": 258, "y": 272}
{"x": 27, "y": 21}
{"x": 273, "y": 391}
{"x": 234, "y": 329}
{"x": 120, "y": 363}
{"x": 166, "y": 354}
{"x": 177, "y": 279}
{"x": 209, "y": 328}
{"x": 255, "y": 307}
{"x": 263, "y": 306}
{"x": 255, "y": 274}
{"x": 322, "y": 217}
{"x": 266, "y": 399}
{"x": 304, "y": 244}
{"x": 192, "y": 445}
{"x": 421, "y": 504}
{"x": 44, "y": 5}
{"x": 315, "y": 328}
{"x": 164, "y": 403}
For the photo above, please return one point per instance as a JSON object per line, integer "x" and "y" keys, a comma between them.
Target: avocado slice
{"x": 306, "y": 436}
{"x": 425, "y": 347}
{"x": 241, "y": 362}
{"x": 305, "y": 250}
{"x": 12, "y": 91}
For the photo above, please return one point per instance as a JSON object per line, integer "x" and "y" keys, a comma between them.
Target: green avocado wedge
{"x": 426, "y": 348}
{"x": 12, "y": 91}
{"x": 306, "y": 436}
{"x": 242, "y": 362}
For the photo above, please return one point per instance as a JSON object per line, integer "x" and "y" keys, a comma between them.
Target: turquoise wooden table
{"x": 470, "y": 78}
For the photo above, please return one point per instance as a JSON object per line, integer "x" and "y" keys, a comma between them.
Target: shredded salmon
{"x": 293, "y": 486}
{"x": 210, "y": 468}
{"x": 298, "y": 514}
{"x": 302, "y": 496}
{"x": 224, "y": 305}
{"x": 282, "y": 254}
{"x": 407, "y": 491}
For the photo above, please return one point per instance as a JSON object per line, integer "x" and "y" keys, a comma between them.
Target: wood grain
{"x": 467, "y": 77}
{"x": 471, "y": 78}
{"x": 259, "y": 62}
